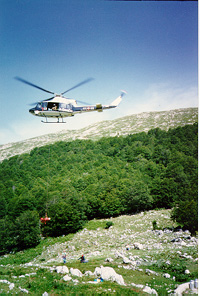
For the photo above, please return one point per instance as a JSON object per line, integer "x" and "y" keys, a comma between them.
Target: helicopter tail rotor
{"x": 123, "y": 93}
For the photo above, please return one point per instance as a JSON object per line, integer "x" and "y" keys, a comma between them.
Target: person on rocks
{"x": 64, "y": 257}
{"x": 82, "y": 259}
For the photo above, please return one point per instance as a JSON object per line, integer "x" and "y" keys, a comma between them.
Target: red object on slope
{"x": 45, "y": 219}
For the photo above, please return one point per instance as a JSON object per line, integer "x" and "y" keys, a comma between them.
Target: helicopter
{"x": 59, "y": 106}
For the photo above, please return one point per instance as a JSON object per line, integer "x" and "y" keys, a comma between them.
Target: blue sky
{"x": 148, "y": 49}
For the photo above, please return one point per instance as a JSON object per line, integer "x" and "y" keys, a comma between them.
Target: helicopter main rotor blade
{"x": 84, "y": 103}
{"x": 34, "y": 85}
{"x": 35, "y": 103}
{"x": 77, "y": 85}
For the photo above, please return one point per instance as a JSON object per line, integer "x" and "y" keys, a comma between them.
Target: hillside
{"x": 81, "y": 180}
{"x": 123, "y": 126}
{"x": 83, "y": 185}
{"x": 157, "y": 262}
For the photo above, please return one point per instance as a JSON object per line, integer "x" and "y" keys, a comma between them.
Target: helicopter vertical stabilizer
{"x": 116, "y": 102}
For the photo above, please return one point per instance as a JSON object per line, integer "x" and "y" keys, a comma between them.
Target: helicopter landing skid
{"x": 53, "y": 121}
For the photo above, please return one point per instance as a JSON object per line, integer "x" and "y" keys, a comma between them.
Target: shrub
{"x": 186, "y": 214}
{"x": 109, "y": 224}
{"x": 155, "y": 226}
{"x": 65, "y": 218}
{"x": 177, "y": 269}
{"x": 7, "y": 236}
{"x": 27, "y": 230}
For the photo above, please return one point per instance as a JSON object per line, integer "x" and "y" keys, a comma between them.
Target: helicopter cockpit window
{"x": 44, "y": 106}
{"x": 39, "y": 106}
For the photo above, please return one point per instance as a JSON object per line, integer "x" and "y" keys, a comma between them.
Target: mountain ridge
{"x": 130, "y": 124}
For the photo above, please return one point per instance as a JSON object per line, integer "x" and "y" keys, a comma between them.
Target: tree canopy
{"x": 85, "y": 179}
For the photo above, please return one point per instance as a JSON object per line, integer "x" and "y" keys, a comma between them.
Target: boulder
{"x": 126, "y": 260}
{"x": 67, "y": 278}
{"x": 133, "y": 258}
{"x": 127, "y": 267}
{"x": 23, "y": 290}
{"x": 149, "y": 290}
{"x": 137, "y": 286}
{"x": 166, "y": 275}
{"x": 118, "y": 255}
{"x": 5, "y": 282}
{"x": 118, "y": 279}
{"x": 177, "y": 240}
{"x": 11, "y": 286}
{"x": 196, "y": 283}
{"x": 159, "y": 232}
{"x": 194, "y": 239}
{"x": 109, "y": 274}
{"x": 75, "y": 281}
{"x": 62, "y": 269}
{"x": 109, "y": 260}
{"x": 138, "y": 246}
{"x": 97, "y": 271}
{"x": 181, "y": 288}
{"x": 89, "y": 273}
{"x": 76, "y": 272}
{"x": 148, "y": 271}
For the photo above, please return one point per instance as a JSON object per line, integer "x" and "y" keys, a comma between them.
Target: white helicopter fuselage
{"x": 56, "y": 107}
{"x": 60, "y": 107}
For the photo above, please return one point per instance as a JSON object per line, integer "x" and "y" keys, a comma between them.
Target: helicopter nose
{"x": 31, "y": 110}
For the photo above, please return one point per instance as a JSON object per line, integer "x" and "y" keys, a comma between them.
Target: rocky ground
{"x": 126, "y": 253}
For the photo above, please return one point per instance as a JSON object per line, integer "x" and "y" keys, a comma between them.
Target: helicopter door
{"x": 52, "y": 106}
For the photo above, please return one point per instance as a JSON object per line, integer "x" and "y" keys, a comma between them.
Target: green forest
{"x": 81, "y": 180}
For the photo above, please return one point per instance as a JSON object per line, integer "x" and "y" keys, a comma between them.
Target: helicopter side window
{"x": 64, "y": 106}
{"x": 69, "y": 106}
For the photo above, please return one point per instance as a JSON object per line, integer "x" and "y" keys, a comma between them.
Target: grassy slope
{"x": 26, "y": 269}
{"x": 126, "y": 125}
